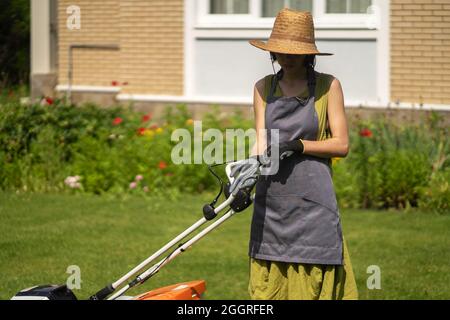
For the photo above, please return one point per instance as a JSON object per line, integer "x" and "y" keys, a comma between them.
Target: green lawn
{"x": 41, "y": 235}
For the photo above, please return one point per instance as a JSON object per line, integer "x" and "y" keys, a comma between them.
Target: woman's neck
{"x": 293, "y": 76}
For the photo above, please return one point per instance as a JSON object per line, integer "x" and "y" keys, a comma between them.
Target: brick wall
{"x": 420, "y": 51}
{"x": 98, "y": 26}
{"x": 150, "y": 35}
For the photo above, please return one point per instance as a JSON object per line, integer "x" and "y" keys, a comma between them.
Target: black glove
{"x": 286, "y": 148}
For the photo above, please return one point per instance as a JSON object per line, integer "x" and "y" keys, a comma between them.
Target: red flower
{"x": 49, "y": 100}
{"x": 114, "y": 83}
{"x": 162, "y": 165}
{"x": 365, "y": 133}
{"x": 146, "y": 117}
{"x": 154, "y": 126}
{"x": 117, "y": 121}
{"x": 141, "y": 131}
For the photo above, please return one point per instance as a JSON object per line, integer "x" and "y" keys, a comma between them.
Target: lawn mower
{"x": 242, "y": 177}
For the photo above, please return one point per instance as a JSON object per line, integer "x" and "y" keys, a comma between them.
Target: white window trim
{"x": 322, "y": 20}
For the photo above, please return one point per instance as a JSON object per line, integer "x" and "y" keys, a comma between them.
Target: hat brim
{"x": 286, "y": 49}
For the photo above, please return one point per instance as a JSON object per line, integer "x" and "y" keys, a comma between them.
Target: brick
{"x": 432, "y": 18}
{"x": 412, "y": 7}
{"x": 432, "y": 7}
{"x": 143, "y": 29}
{"x": 443, "y": 25}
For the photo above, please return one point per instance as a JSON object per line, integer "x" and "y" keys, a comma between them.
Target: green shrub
{"x": 390, "y": 164}
{"x": 56, "y": 147}
{"x": 436, "y": 195}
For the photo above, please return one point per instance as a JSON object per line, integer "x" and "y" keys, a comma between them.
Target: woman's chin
{"x": 292, "y": 68}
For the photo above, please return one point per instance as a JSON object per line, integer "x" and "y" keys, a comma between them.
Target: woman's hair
{"x": 309, "y": 63}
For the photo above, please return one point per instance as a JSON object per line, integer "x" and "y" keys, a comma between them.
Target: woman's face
{"x": 290, "y": 62}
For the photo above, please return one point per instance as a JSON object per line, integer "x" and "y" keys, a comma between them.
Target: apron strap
{"x": 311, "y": 81}
{"x": 311, "y": 74}
{"x": 274, "y": 82}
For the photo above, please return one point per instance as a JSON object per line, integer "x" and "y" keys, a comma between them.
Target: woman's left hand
{"x": 286, "y": 148}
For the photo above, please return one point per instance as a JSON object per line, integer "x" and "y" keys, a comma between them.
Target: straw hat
{"x": 292, "y": 33}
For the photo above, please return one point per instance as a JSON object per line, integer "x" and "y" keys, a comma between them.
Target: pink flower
{"x": 145, "y": 189}
{"x": 139, "y": 177}
{"x": 73, "y": 182}
{"x": 133, "y": 185}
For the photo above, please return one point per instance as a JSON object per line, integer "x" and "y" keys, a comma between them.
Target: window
{"x": 229, "y": 7}
{"x": 348, "y": 6}
{"x": 260, "y": 14}
{"x": 270, "y": 8}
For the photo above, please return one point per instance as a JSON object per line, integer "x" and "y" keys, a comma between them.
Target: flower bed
{"x": 53, "y": 147}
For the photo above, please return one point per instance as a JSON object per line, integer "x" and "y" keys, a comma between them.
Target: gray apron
{"x": 295, "y": 213}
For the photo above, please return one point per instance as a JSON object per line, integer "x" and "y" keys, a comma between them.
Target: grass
{"x": 43, "y": 234}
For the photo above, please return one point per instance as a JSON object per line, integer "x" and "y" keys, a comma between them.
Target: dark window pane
{"x": 359, "y": 6}
{"x": 303, "y": 5}
{"x": 336, "y": 6}
{"x": 218, "y": 6}
{"x": 270, "y": 8}
{"x": 348, "y": 6}
{"x": 241, "y": 6}
{"x": 229, "y": 6}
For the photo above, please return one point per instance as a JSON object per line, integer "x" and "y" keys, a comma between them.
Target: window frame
{"x": 254, "y": 20}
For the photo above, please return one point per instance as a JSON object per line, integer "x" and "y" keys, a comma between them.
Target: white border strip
{"x": 84, "y": 88}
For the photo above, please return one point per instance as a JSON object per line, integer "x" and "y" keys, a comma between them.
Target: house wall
{"x": 163, "y": 54}
{"x": 148, "y": 33}
{"x": 230, "y": 67}
{"x": 98, "y": 26}
{"x": 420, "y": 51}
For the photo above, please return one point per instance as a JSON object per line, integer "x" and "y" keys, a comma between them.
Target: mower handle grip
{"x": 103, "y": 293}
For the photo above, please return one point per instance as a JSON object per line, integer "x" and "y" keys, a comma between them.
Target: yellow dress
{"x": 270, "y": 280}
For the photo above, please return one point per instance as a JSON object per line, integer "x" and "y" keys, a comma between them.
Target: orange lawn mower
{"x": 242, "y": 176}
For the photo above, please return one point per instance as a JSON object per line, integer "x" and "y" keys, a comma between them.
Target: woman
{"x": 297, "y": 250}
